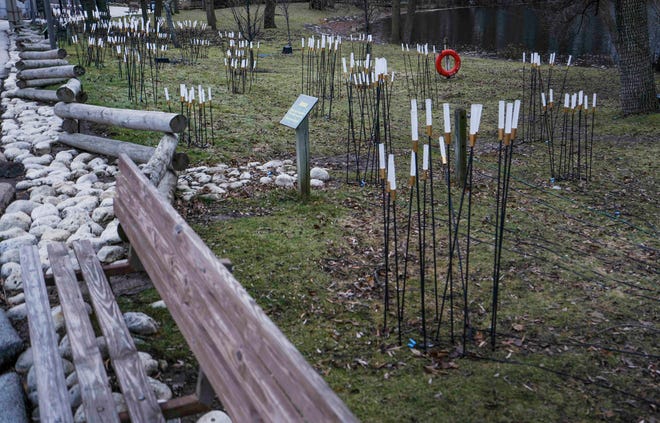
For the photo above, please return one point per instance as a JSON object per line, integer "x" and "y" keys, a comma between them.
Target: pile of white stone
{"x": 213, "y": 183}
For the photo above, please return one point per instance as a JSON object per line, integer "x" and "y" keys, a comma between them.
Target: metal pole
{"x": 302, "y": 155}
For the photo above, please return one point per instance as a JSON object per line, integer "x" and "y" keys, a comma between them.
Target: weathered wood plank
{"x": 51, "y": 386}
{"x": 95, "y": 387}
{"x": 257, "y": 373}
{"x": 68, "y": 71}
{"x": 126, "y": 118}
{"x": 140, "y": 399}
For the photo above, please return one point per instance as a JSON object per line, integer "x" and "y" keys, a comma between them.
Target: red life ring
{"x": 457, "y": 63}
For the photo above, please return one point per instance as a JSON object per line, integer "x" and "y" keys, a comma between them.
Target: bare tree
{"x": 247, "y": 17}
{"x": 370, "y": 9}
{"x": 284, "y": 6}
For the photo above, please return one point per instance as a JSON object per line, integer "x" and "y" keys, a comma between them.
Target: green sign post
{"x": 297, "y": 118}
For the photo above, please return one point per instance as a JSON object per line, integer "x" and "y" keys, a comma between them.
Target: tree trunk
{"x": 410, "y": 21}
{"x": 395, "y": 36}
{"x": 158, "y": 9}
{"x": 631, "y": 39}
{"x": 269, "y": 14}
{"x": 210, "y": 14}
{"x": 145, "y": 10}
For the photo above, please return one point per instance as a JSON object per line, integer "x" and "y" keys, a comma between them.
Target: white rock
{"x": 55, "y": 235}
{"x": 265, "y": 180}
{"x": 9, "y": 269}
{"x": 110, "y": 234}
{"x": 150, "y": 365}
{"x": 161, "y": 391}
{"x": 24, "y": 361}
{"x": 17, "y": 313}
{"x": 120, "y": 407}
{"x": 12, "y": 152}
{"x": 64, "y": 157}
{"x": 316, "y": 183}
{"x": 83, "y": 232}
{"x": 25, "y": 206}
{"x": 18, "y": 220}
{"x": 42, "y": 148}
{"x": 44, "y": 210}
{"x": 42, "y": 160}
{"x": 37, "y": 194}
{"x": 319, "y": 173}
{"x": 88, "y": 179}
{"x": 103, "y": 214}
{"x": 11, "y": 233}
{"x": 111, "y": 253}
{"x": 284, "y": 180}
{"x": 16, "y": 299}
{"x": 83, "y": 157}
{"x": 67, "y": 188}
{"x": 139, "y": 323}
{"x": 16, "y": 243}
{"x": 203, "y": 178}
{"x": 74, "y": 221}
{"x": 272, "y": 164}
{"x": 215, "y": 416}
{"x": 245, "y": 175}
{"x": 158, "y": 304}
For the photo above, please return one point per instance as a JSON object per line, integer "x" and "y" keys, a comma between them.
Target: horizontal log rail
{"x": 125, "y": 118}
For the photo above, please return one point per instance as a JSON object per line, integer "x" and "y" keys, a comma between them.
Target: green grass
{"x": 579, "y": 267}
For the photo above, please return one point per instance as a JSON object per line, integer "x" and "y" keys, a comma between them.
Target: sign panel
{"x": 299, "y": 111}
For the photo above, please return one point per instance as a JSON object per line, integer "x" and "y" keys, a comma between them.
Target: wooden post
{"x": 302, "y": 158}
{"x": 52, "y": 37}
{"x": 460, "y": 145}
{"x": 71, "y": 91}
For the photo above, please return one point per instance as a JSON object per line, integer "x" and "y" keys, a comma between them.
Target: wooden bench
{"x": 251, "y": 366}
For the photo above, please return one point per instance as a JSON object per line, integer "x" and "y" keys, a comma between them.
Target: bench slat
{"x": 256, "y": 371}
{"x": 140, "y": 399}
{"x": 51, "y": 386}
{"x": 93, "y": 380}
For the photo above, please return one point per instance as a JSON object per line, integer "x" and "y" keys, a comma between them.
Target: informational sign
{"x": 299, "y": 111}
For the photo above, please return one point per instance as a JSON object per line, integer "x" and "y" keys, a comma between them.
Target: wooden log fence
{"x": 35, "y": 83}
{"x": 113, "y": 148}
{"x": 58, "y": 53}
{"x": 125, "y": 118}
{"x": 68, "y": 71}
{"x": 41, "y": 63}
{"x": 34, "y": 94}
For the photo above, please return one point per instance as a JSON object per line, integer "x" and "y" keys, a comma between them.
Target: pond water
{"x": 506, "y": 30}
